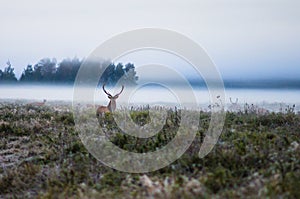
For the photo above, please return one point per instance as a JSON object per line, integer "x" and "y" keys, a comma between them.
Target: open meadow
{"x": 41, "y": 155}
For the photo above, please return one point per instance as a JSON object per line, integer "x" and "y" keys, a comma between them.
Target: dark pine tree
{"x": 8, "y": 75}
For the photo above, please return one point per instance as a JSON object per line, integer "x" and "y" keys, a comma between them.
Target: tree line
{"x": 50, "y": 72}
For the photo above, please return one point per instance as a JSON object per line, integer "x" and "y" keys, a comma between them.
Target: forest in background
{"x": 49, "y": 71}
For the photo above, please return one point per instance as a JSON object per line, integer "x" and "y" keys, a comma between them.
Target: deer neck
{"x": 112, "y": 105}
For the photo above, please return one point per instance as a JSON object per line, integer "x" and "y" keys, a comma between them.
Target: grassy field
{"x": 41, "y": 155}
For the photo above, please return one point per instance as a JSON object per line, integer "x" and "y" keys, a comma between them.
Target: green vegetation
{"x": 41, "y": 155}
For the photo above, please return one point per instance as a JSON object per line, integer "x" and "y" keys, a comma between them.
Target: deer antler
{"x": 236, "y": 101}
{"x": 120, "y": 91}
{"x": 107, "y": 93}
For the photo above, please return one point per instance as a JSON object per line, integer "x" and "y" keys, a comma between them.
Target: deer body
{"x": 38, "y": 103}
{"x": 111, "y": 107}
{"x": 106, "y": 109}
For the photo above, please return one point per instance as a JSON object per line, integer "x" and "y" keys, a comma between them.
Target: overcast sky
{"x": 246, "y": 39}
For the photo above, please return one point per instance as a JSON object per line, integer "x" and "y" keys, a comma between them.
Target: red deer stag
{"x": 38, "y": 103}
{"x": 111, "y": 107}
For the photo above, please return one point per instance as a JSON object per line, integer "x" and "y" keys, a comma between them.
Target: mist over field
{"x": 87, "y": 114}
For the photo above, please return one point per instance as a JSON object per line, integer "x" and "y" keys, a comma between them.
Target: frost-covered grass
{"x": 41, "y": 155}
